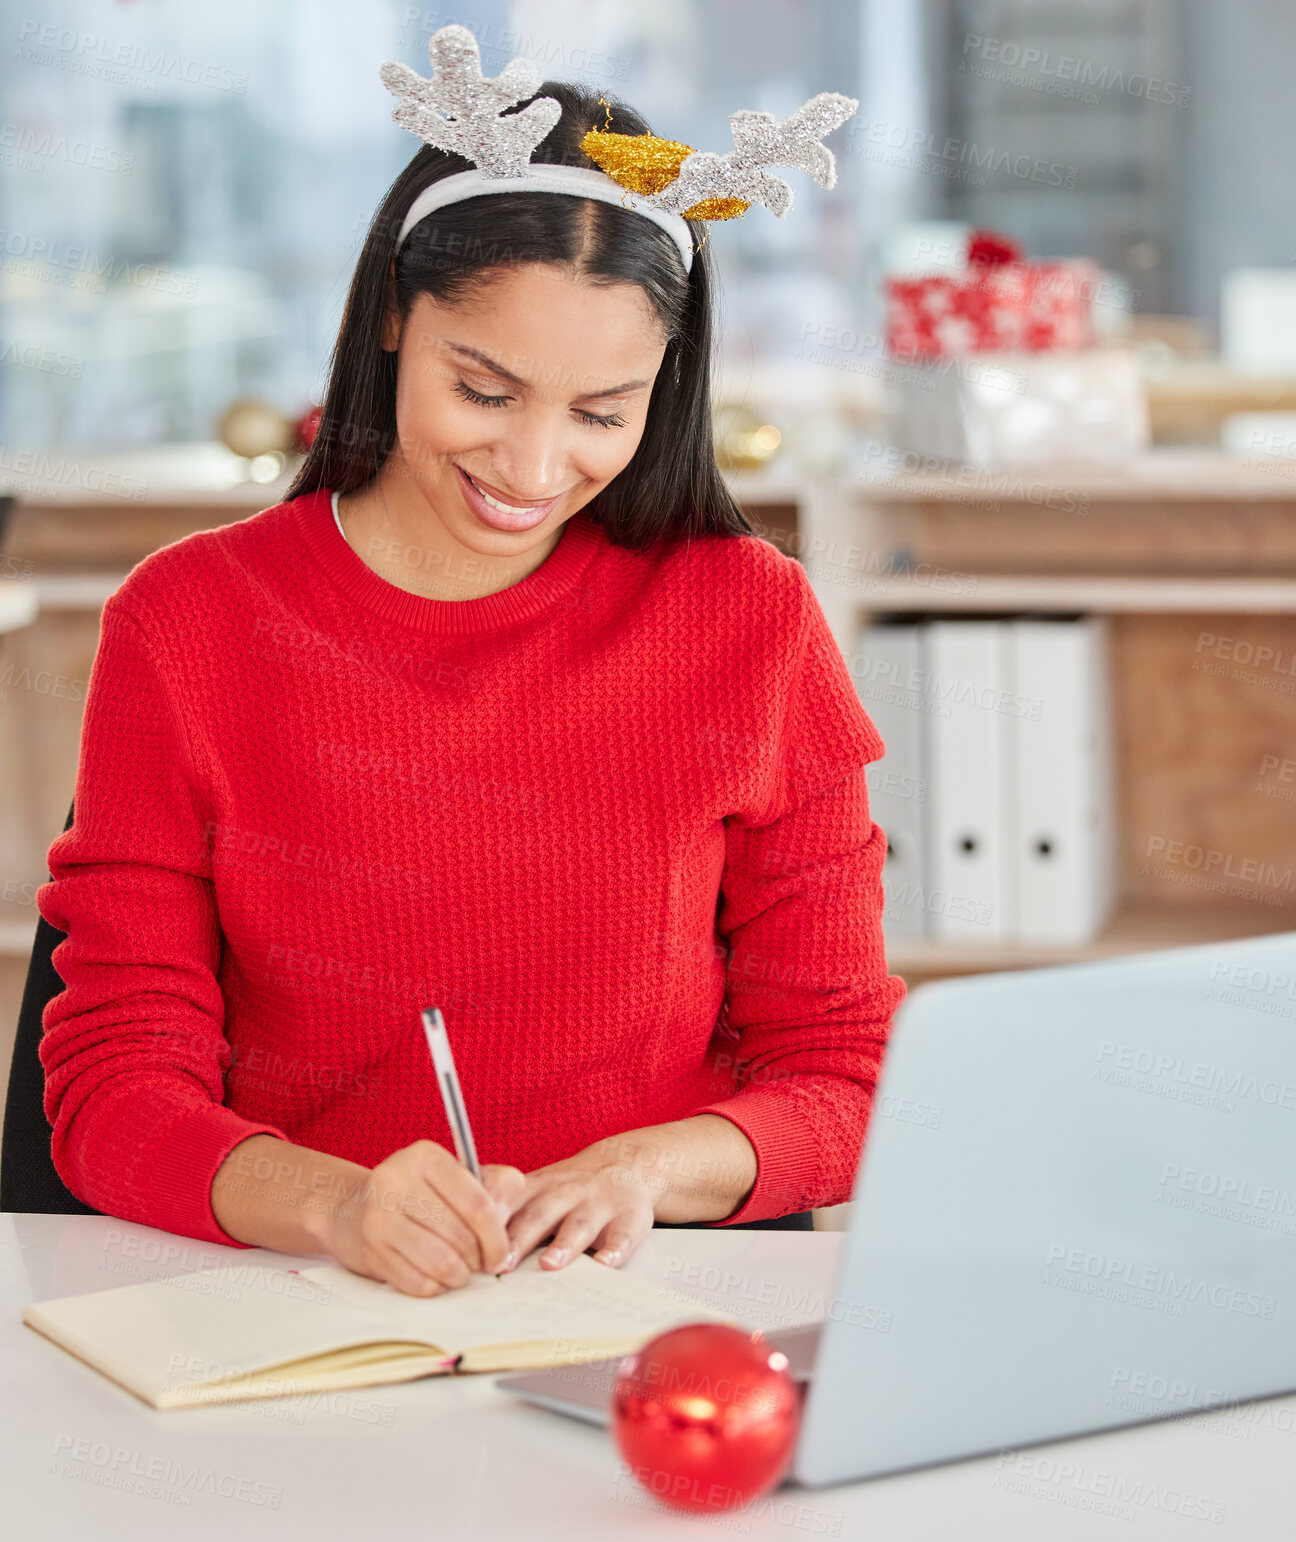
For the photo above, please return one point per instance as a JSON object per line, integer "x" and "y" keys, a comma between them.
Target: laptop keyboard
{"x": 799, "y": 1345}
{"x": 585, "y": 1391}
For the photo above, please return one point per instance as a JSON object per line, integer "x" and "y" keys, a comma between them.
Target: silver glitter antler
{"x": 760, "y": 142}
{"x": 459, "y": 111}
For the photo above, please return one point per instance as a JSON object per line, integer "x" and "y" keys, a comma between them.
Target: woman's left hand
{"x": 588, "y": 1199}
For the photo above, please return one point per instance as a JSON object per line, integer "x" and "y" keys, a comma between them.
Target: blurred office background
{"x": 183, "y": 193}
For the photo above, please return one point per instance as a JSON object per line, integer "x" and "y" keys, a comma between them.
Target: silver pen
{"x": 451, "y": 1093}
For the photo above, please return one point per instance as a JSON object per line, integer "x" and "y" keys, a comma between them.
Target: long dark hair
{"x": 672, "y": 485}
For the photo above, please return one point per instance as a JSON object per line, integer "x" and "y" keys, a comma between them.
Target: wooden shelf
{"x": 1134, "y": 928}
{"x": 199, "y": 475}
{"x": 207, "y": 475}
{"x": 1192, "y": 397}
{"x": 1097, "y": 592}
{"x": 1157, "y": 476}
{"x": 196, "y": 476}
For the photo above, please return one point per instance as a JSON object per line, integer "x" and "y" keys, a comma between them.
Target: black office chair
{"x": 29, "y": 1181}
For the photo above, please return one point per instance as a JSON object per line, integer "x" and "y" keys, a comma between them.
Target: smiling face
{"x": 514, "y": 407}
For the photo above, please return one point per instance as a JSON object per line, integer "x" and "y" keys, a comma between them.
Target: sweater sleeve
{"x": 808, "y": 998}
{"x": 133, "y": 1048}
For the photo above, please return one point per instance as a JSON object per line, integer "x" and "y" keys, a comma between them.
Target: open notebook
{"x": 249, "y": 1331}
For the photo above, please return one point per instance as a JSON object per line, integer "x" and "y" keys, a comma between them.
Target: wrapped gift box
{"x": 996, "y": 408}
{"x": 1022, "y": 307}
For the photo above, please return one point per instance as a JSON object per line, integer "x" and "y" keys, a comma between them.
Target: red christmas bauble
{"x": 307, "y": 426}
{"x": 706, "y": 1416}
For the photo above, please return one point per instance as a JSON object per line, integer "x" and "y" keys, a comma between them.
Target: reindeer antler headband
{"x": 459, "y": 111}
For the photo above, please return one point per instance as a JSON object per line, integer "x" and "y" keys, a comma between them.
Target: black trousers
{"x": 803, "y": 1220}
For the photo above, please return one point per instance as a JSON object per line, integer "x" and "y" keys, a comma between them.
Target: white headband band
{"x": 578, "y": 181}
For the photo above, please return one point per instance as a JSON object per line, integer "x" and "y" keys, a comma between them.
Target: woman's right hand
{"x": 423, "y": 1223}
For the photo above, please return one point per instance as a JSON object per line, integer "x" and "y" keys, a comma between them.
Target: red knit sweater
{"x": 612, "y": 820}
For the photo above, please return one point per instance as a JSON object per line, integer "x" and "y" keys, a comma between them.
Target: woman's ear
{"x": 391, "y": 316}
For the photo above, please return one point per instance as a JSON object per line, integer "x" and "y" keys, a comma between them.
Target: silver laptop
{"x": 1077, "y": 1203}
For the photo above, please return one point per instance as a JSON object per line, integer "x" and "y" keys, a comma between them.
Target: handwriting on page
{"x": 584, "y": 1301}
{"x": 536, "y": 1306}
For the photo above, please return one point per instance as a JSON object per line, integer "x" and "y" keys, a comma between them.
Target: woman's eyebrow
{"x": 498, "y": 369}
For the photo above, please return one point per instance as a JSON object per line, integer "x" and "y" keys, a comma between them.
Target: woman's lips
{"x": 499, "y": 519}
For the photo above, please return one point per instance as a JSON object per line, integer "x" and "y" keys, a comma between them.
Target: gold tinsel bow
{"x": 642, "y": 163}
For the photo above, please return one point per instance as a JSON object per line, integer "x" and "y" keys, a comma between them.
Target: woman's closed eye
{"x": 481, "y": 400}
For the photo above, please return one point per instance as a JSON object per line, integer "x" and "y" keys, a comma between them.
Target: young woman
{"x": 503, "y": 710}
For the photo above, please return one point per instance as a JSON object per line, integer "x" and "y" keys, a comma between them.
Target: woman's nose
{"x": 531, "y": 457}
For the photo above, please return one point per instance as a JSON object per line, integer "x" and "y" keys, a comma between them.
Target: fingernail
{"x": 556, "y": 1256}
{"x": 510, "y": 1262}
{"x": 608, "y": 1255}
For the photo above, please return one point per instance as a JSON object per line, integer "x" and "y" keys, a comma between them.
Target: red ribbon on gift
{"x": 988, "y": 249}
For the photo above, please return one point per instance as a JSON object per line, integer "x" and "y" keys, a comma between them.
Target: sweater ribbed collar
{"x": 581, "y": 538}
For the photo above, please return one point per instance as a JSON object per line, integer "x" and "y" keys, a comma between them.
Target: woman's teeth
{"x": 504, "y": 508}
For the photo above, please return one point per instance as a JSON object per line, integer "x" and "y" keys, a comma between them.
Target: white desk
{"x": 456, "y": 1459}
